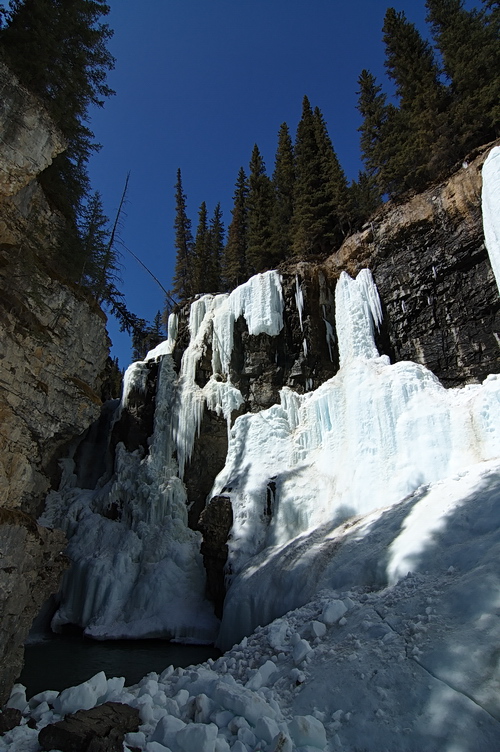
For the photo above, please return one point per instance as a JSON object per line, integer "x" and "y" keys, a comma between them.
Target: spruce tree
{"x": 418, "y": 130}
{"x": 365, "y": 198}
{"x": 100, "y": 265}
{"x": 184, "y": 275}
{"x": 337, "y": 194}
{"x": 200, "y": 252}
{"x": 284, "y": 185}
{"x": 469, "y": 43}
{"x": 260, "y": 205}
{"x": 234, "y": 265}
{"x": 321, "y": 199}
{"x": 308, "y": 186}
{"x": 215, "y": 242}
{"x": 372, "y": 105}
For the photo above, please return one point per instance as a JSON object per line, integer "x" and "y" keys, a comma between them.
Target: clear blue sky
{"x": 198, "y": 82}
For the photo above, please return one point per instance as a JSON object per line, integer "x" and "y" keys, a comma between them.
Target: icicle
{"x": 304, "y": 347}
{"x": 299, "y": 300}
{"x": 491, "y": 209}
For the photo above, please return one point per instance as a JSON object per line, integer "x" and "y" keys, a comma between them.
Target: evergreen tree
{"x": 469, "y": 43}
{"x": 320, "y": 199}
{"x": 260, "y": 205}
{"x": 98, "y": 264}
{"x": 201, "y": 252}
{"x": 184, "y": 273}
{"x": 234, "y": 266}
{"x": 372, "y": 106}
{"x": 58, "y": 50}
{"x": 364, "y": 198}
{"x": 215, "y": 251}
{"x": 335, "y": 184}
{"x": 284, "y": 185}
{"x": 417, "y": 133}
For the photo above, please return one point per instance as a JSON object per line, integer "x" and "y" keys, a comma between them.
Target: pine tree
{"x": 284, "y": 186}
{"x": 417, "y": 133}
{"x": 183, "y": 286}
{"x": 469, "y": 43}
{"x": 58, "y": 50}
{"x": 215, "y": 251}
{"x": 200, "y": 252}
{"x": 260, "y": 205}
{"x": 234, "y": 265}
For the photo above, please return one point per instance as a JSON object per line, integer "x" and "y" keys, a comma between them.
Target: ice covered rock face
{"x": 365, "y": 439}
{"x": 137, "y": 568}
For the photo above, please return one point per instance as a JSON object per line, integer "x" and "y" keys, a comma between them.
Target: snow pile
{"x": 412, "y": 666}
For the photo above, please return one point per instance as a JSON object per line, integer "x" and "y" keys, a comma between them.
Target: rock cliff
{"x": 429, "y": 261}
{"x": 53, "y": 348}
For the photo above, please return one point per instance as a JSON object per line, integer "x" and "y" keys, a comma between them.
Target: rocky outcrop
{"x": 31, "y": 564}
{"x": 215, "y": 523}
{"x": 100, "y": 729}
{"x": 29, "y": 140}
{"x": 432, "y": 270}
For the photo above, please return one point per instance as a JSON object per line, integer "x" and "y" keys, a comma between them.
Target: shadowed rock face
{"x": 53, "y": 349}
{"x": 31, "y": 566}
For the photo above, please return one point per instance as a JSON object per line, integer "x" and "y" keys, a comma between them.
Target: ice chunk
{"x": 82, "y": 697}
{"x": 333, "y": 612}
{"x": 243, "y": 702}
{"x": 197, "y": 736}
{"x": 166, "y": 730}
{"x": 17, "y": 699}
{"x": 318, "y": 629}
{"x": 300, "y": 650}
{"x": 266, "y": 729}
{"x": 306, "y": 730}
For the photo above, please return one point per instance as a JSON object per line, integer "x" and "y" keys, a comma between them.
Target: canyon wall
{"x": 53, "y": 348}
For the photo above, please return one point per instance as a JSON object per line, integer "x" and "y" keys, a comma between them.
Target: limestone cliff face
{"x": 428, "y": 258}
{"x": 53, "y": 348}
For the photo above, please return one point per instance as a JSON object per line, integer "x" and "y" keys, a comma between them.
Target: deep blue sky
{"x": 198, "y": 82}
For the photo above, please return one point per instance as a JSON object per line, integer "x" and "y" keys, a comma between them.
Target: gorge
{"x": 354, "y": 496}
{"x": 307, "y": 470}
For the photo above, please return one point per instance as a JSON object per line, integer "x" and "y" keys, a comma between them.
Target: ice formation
{"x": 491, "y": 211}
{"x": 136, "y": 567}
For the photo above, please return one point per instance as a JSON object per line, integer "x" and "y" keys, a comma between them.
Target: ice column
{"x": 358, "y": 309}
{"x": 491, "y": 209}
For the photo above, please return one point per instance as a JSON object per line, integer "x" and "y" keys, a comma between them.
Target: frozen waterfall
{"x": 363, "y": 441}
